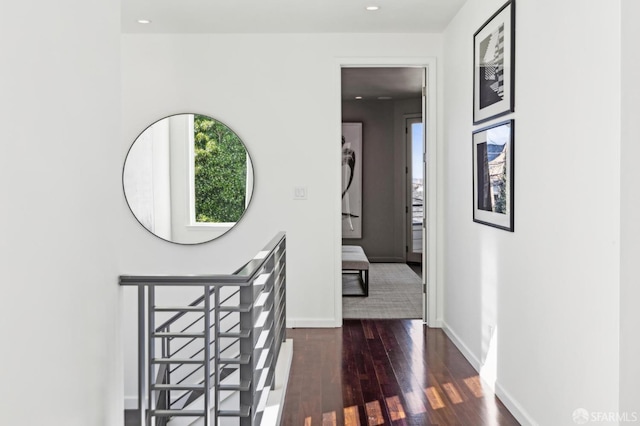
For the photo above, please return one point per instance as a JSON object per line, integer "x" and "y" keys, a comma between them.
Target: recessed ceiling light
{"x": 384, "y": 98}
{"x": 144, "y": 21}
{"x": 372, "y": 8}
{"x": 358, "y": 97}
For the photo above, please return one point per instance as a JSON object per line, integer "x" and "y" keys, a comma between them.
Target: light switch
{"x": 300, "y": 193}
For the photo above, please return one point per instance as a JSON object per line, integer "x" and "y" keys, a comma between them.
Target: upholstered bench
{"x": 354, "y": 260}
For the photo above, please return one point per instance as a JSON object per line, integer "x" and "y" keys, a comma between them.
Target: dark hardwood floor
{"x": 374, "y": 372}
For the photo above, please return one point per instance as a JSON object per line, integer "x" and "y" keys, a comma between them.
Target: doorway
{"x": 432, "y": 298}
{"x": 378, "y": 101}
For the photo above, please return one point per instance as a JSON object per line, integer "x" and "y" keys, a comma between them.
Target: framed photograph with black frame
{"x": 351, "y": 180}
{"x": 494, "y": 65}
{"x": 493, "y": 175}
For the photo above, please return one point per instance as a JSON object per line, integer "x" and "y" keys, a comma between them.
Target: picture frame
{"x": 494, "y": 65}
{"x": 351, "y": 180}
{"x": 493, "y": 175}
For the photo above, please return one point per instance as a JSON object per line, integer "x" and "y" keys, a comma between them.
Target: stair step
{"x": 237, "y": 334}
{"x": 242, "y": 359}
{"x": 179, "y": 308}
{"x": 244, "y": 385}
{"x": 244, "y": 411}
{"x": 175, "y": 334}
{"x": 177, "y": 413}
{"x": 177, "y": 361}
{"x": 177, "y": 387}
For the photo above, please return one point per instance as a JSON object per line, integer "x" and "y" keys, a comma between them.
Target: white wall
{"x": 550, "y": 290}
{"x": 281, "y": 95}
{"x": 630, "y": 226}
{"x": 60, "y": 361}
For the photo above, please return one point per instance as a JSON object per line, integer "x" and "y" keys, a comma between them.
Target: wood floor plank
{"x": 374, "y": 413}
{"x": 474, "y": 385}
{"x": 452, "y": 392}
{"x": 416, "y": 371}
{"x": 329, "y": 419}
{"x": 374, "y": 372}
{"x": 368, "y": 331}
{"x": 396, "y": 410}
{"x": 414, "y": 403}
{"x": 434, "y": 398}
{"x": 351, "y": 416}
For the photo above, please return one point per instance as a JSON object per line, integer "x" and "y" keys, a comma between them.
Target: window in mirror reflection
{"x": 219, "y": 172}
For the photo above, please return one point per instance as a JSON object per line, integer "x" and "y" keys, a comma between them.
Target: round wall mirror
{"x": 188, "y": 178}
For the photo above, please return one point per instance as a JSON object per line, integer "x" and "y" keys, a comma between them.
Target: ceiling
{"x": 372, "y": 83}
{"x": 288, "y": 16}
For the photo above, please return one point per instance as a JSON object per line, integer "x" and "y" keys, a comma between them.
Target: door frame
{"x": 431, "y": 261}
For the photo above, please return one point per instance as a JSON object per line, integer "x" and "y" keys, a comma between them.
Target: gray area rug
{"x": 395, "y": 291}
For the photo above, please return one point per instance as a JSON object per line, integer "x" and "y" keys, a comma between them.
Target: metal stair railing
{"x": 217, "y": 353}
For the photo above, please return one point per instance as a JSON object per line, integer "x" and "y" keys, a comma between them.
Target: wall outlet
{"x": 300, "y": 193}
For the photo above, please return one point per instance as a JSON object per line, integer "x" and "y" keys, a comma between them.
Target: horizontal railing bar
{"x": 237, "y": 308}
{"x": 244, "y": 411}
{"x": 190, "y": 341}
{"x": 175, "y": 387}
{"x": 244, "y": 385}
{"x": 182, "y": 413}
{"x": 244, "y": 275}
{"x": 177, "y": 361}
{"x": 179, "y": 335}
{"x": 240, "y": 359}
{"x": 179, "y": 309}
{"x": 192, "y": 304}
{"x": 185, "y": 280}
{"x": 179, "y": 315}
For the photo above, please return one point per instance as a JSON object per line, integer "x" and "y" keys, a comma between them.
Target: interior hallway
{"x": 373, "y": 372}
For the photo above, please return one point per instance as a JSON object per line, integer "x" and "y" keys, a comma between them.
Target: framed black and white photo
{"x": 493, "y": 65}
{"x": 351, "y": 180}
{"x": 493, "y": 175}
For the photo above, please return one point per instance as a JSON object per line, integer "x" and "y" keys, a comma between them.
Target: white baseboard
{"x": 312, "y": 323}
{"x": 436, "y": 324}
{"x": 514, "y": 407}
{"x": 468, "y": 354}
{"x": 512, "y": 404}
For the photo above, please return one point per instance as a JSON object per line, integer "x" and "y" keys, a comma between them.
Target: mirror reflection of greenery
{"x": 220, "y": 172}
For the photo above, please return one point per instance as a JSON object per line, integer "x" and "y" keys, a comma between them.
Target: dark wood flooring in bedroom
{"x": 375, "y": 372}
